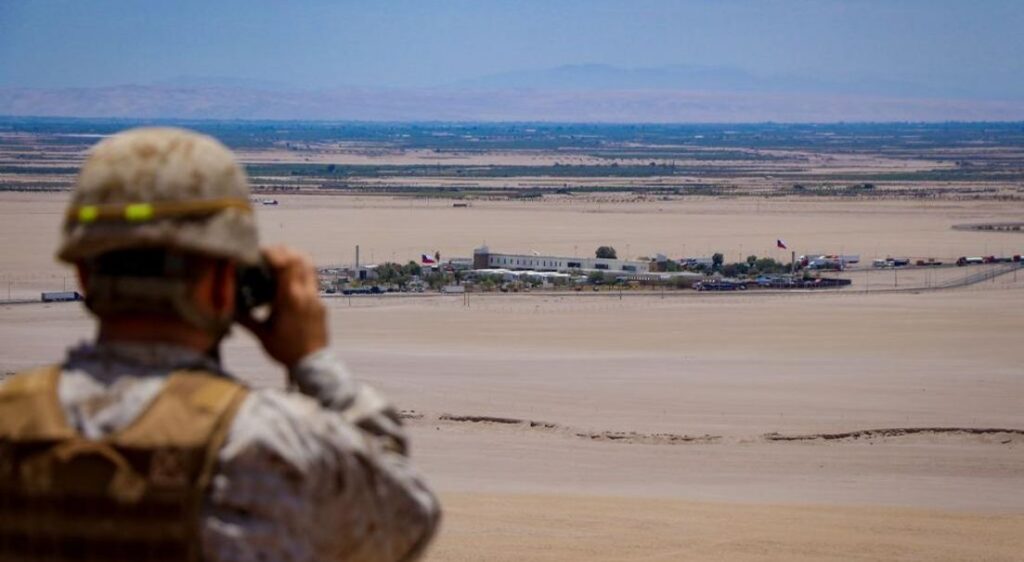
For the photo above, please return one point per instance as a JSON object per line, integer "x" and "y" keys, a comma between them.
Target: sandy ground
{"x": 22, "y": 148}
{"x": 654, "y": 419}
{"x": 612, "y": 384}
{"x": 588, "y": 528}
{"x": 401, "y": 229}
{"x": 784, "y": 159}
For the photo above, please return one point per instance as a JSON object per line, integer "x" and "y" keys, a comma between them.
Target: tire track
{"x": 1001, "y": 436}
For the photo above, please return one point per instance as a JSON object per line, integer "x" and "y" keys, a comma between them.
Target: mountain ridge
{"x": 491, "y": 104}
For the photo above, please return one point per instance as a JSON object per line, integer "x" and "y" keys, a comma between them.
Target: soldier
{"x": 140, "y": 446}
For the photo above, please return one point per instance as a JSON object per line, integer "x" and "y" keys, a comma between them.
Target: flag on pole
{"x": 427, "y": 260}
{"x": 781, "y": 245}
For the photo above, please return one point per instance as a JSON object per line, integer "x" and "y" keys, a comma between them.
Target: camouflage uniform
{"x": 321, "y": 474}
{"x": 317, "y": 476}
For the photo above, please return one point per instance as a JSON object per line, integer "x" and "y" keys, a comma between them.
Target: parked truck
{"x": 61, "y": 296}
{"x": 962, "y": 261}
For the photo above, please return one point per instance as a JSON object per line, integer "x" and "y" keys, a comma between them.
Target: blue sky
{"x": 318, "y": 45}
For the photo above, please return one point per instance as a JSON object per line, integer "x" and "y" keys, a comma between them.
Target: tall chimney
{"x": 357, "y": 257}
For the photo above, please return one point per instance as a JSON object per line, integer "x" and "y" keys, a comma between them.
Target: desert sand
{"x": 585, "y": 427}
{"x": 530, "y": 527}
{"x": 400, "y": 229}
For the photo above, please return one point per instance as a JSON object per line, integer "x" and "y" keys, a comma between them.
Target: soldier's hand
{"x": 297, "y": 325}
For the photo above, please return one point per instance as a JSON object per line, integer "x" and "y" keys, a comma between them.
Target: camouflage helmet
{"x": 160, "y": 188}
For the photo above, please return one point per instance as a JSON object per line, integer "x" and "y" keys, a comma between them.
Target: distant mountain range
{"x": 579, "y": 93}
{"x": 601, "y": 77}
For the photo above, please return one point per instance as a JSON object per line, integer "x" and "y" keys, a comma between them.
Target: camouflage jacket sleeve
{"x": 319, "y": 476}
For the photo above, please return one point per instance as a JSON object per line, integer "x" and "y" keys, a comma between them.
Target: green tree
{"x": 768, "y": 265}
{"x": 735, "y": 269}
{"x": 412, "y": 268}
{"x": 390, "y": 273}
{"x": 716, "y": 261}
{"x": 436, "y": 279}
{"x": 606, "y": 252}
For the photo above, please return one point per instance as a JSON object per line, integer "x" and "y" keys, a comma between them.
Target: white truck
{"x": 61, "y": 296}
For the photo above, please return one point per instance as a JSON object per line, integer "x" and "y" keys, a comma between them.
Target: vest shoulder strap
{"x": 190, "y": 410}
{"x": 30, "y": 409}
{"x": 193, "y": 411}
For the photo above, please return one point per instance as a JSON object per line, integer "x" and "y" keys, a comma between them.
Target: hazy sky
{"x": 324, "y": 44}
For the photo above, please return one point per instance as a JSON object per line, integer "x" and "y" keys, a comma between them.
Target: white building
{"x": 483, "y": 258}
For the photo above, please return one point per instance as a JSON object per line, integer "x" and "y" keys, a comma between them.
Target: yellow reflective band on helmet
{"x": 141, "y": 212}
{"x": 88, "y": 213}
{"x": 138, "y": 212}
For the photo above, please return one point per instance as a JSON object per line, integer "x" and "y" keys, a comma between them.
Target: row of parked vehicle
{"x": 767, "y": 282}
{"x": 987, "y": 259}
{"x": 374, "y": 290}
{"x": 903, "y": 262}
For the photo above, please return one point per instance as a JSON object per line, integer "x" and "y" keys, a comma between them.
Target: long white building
{"x": 483, "y": 258}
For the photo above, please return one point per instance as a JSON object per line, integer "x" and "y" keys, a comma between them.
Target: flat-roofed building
{"x": 483, "y": 258}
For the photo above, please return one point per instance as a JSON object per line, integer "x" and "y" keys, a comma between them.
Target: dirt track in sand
{"x": 991, "y": 435}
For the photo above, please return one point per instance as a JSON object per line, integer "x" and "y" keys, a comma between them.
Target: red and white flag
{"x": 427, "y": 260}
{"x": 781, "y": 244}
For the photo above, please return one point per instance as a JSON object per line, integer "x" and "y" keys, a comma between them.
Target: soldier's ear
{"x": 83, "y": 276}
{"x": 224, "y": 287}
{"x": 213, "y": 286}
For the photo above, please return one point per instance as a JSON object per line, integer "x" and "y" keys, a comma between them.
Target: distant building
{"x": 366, "y": 272}
{"x": 660, "y": 263}
{"x": 697, "y": 262}
{"x": 483, "y": 258}
{"x": 828, "y": 261}
{"x": 460, "y": 264}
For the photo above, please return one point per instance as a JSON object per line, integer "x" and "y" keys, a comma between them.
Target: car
{"x": 784, "y": 283}
{"x": 720, "y": 285}
{"x": 824, "y": 282}
{"x": 374, "y": 290}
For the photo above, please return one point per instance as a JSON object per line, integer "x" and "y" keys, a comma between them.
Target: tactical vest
{"x": 134, "y": 495}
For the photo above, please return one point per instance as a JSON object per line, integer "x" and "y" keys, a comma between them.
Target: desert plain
{"x": 843, "y": 425}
